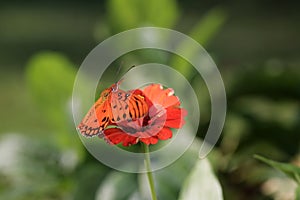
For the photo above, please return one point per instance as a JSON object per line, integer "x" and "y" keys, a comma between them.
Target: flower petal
{"x": 158, "y": 95}
{"x": 149, "y": 140}
{"x": 177, "y": 123}
{"x": 164, "y": 134}
{"x": 171, "y": 101}
{"x": 152, "y": 90}
{"x": 175, "y": 117}
{"x": 116, "y": 136}
{"x": 175, "y": 113}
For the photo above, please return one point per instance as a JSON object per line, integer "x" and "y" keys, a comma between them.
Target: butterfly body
{"x": 113, "y": 106}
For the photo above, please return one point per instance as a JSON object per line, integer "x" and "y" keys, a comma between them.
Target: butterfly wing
{"x": 114, "y": 105}
{"x": 127, "y": 106}
{"x": 138, "y": 106}
{"x": 95, "y": 120}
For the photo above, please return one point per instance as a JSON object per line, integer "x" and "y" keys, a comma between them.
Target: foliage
{"x": 50, "y": 78}
{"x": 201, "y": 183}
{"x": 188, "y": 169}
{"x": 48, "y": 161}
{"x": 290, "y": 170}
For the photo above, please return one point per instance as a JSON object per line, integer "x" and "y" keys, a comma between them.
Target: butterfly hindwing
{"x": 95, "y": 121}
{"x": 90, "y": 126}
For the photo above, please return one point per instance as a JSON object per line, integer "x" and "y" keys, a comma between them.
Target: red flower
{"x": 164, "y": 113}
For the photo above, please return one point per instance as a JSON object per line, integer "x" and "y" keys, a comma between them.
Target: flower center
{"x": 146, "y": 126}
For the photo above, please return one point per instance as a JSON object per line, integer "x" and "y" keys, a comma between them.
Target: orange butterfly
{"x": 113, "y": 106}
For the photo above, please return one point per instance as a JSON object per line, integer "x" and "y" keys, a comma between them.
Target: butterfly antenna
{"x": 130, "y": 68}
{"x": 119, "y": 70}
{"x": 127, "y": 71}
{"x": 121, "y": 79}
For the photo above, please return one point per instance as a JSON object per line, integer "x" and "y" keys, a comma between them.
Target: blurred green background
{"x": 255, "y": 44}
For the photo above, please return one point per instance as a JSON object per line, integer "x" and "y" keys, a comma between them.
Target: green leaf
{"x": 123, "y": 15}
{"x": 203, "y": 32}
{"x": 129, "y": 14}
{"x": 290, "y": 170}
{"x": 88, "y": 179}
{"x": 169, "y": 180}
{"x": 117, "y": 186}
{"x": 201, "y": 183}
{"x": 163, "y": 17}
{"x": 50, "y": 78}
{"x": 50, "y": 75}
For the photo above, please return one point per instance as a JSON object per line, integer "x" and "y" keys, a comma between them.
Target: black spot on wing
{"x": 119, "y": 96}
{"x": 90, "y": 131}
{"x": 104, "y": 119}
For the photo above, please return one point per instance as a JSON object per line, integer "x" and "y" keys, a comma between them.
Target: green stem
{"x": 149, "y": 172}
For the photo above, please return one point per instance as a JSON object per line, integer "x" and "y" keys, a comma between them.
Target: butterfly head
{"x": 115, "y": 87}
{"x": 108, "y": 91}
